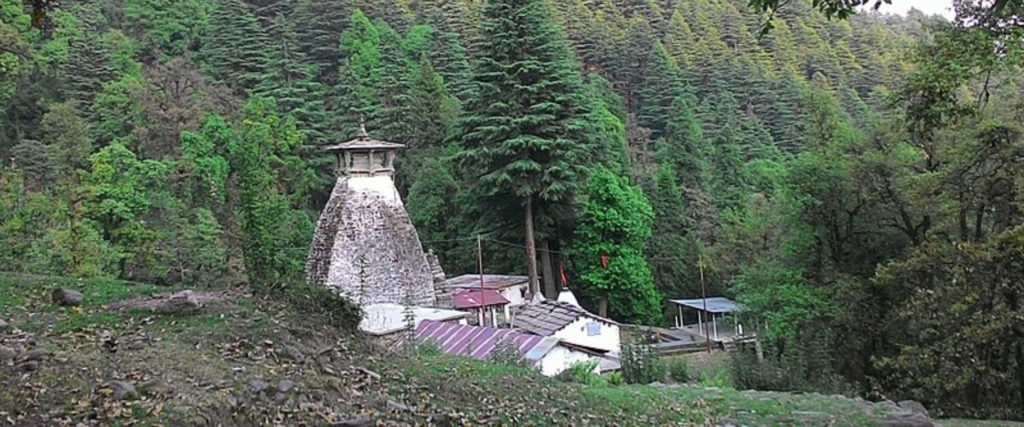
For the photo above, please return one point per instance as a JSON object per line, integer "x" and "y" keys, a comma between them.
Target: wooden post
{"x": 480, "y": 266}
{"x": 704, "y": 295}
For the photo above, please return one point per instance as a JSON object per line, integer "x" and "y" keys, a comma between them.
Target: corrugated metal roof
{"x": 547, "y": 317}
{"x": 491, "y": 281}
{"x": 477, "y": 299}
{"x": 478, "y": 341}
{"x": 715, "y": 304}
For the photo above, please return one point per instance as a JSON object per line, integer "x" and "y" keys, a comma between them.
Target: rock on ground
{"x": 913, "y": 406}
{"x": 291, "y": 353}
{"x": 3, "y": 325}
{"x": 6, "y": 353}
{"x": 184, "y": 302}
{"x": 257, "y": 386}
{"x": 907, "y": 420}
{"x": 66, "y": 297}
{"x": 284, "y": 386}
{"x": 35, "y": 354}
{"x": 122, "y": 390}
{"x": 153, "y": 386}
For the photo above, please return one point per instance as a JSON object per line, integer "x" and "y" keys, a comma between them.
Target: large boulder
{"x": 66, "y": 297}
{"x": 913, "y": 406}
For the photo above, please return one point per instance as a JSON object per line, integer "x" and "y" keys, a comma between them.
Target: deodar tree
{"x": 522, "y": 132}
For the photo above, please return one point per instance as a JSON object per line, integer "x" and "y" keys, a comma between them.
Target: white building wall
{"x": 514, "y": 295}
{"x": 561, "y": 358}
{"x": 576, "y": 333}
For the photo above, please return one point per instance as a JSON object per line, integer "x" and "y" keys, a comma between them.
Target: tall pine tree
{"x": 523, "y": 130}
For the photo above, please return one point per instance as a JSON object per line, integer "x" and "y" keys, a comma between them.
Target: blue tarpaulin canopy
{"x": 714, "y": 304}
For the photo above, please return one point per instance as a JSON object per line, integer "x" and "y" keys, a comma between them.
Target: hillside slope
{"x": 244, "y": 361}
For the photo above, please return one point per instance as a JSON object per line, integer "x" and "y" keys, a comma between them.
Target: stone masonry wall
{"x": 367, "y": 248}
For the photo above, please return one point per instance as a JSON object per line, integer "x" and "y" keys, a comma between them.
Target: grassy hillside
{"x": 246, "y": 361}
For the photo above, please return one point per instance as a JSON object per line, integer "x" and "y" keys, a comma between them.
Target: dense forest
{"x": 853, "y": 182}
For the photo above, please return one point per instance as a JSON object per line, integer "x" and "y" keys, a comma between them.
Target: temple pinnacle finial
{"x": 362, "y": 129}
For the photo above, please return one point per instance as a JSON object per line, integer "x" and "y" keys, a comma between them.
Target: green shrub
{"x": 615, "y": 378}
{"x": 506, "y": 352}
{"x": 426, "y": 348}
{"x": 799, "y": 364}
{"x": 319, "y": 302}
{"x": 641, "y": 365}
{"x": 582, "y": 372}
{"x": 679, "y": 370}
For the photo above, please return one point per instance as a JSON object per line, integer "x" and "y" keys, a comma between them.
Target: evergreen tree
{"x": 166, "y": 28}
{"x": 319, "y": 25}
{"x": 354, "y": 95}
{"x": 236, "y": 51}
{"x": 523, "y": 130}
{"x": 291, "y": 82}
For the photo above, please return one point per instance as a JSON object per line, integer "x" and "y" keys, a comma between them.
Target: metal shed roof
{"x": 491, "y": 281}
{"x": 478, "y": 341}
{"x": 714, "y": 304}
{"x": 477, "y": 299}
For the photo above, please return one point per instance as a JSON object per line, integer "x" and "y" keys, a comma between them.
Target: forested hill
{"x": 841, "y": 178}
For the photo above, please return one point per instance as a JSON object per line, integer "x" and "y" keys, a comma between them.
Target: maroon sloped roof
{"x": 478, "y": 341}
{"x": 477, "y": 299}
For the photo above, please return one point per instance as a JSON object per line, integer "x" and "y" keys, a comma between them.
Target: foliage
{"x": 325, "y": 305}
{"x": 506, "y": 352}
{"x": 800, "y": 364}
{"x": 679, "y": 370}
{"x": 827, "y": 172}
{"x": 641, "y": 364}
{"x": 615, "y": 224}
{"x": 581, "y": 372}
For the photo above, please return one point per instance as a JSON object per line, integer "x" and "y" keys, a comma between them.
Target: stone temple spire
{"x": 365, "y": 245}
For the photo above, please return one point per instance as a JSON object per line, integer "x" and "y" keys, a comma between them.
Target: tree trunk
{"x": 531, "y": 249}
{"x": 547, "y": 270}
{"x": 602, "y": 307}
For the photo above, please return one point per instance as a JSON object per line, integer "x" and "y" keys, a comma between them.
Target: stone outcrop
{"x": 366, "y": 247}
{"x": 442, "y": 295}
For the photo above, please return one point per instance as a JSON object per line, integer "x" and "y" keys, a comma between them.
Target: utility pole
{"x": 480, "y": 266}
{"x": 704, "y": 296}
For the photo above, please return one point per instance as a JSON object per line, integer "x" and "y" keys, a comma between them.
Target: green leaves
{"x": 616, "y": 222}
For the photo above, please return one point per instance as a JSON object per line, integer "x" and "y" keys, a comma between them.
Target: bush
{"x": 426, "y": 348}
{"x": 582, "y": 372}
{"x": 679, "y": 370}
{"x": 321, "y": 303}
{"x": 506, "y": 352}
{"x": 641, "y": 365}
{"x": 801, "y": 364}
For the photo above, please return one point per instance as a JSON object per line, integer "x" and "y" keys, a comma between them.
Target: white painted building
{"x": 386, "y": 319}
{"x": 571, "y": 324}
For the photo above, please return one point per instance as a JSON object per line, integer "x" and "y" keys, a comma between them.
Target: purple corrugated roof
{"x": 476, "y": 341}
{"x": 477, "y": 299}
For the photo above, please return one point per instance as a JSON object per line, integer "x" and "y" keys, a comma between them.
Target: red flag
{"x": 565, "y": 280}
{"x": 604, "y": 261}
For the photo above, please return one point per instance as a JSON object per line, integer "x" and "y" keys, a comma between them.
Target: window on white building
{"x": 593, "y": 328}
